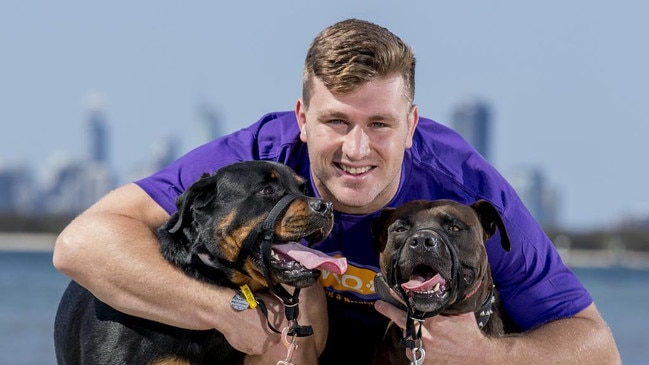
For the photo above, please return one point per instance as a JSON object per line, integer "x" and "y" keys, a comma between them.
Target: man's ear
{"x": 490, "y": 219}
{"x": 413, "y": 120}
{"x": 300, "y": 115}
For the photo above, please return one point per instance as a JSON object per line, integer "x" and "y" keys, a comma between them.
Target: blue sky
{"x": 567, "y": 80}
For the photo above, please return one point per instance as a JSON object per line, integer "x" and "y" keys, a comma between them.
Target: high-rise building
{"x": 472, "y": 119}
{"x": 97, "y": 130}
{"x": 17, "y": 189}
{"x": 209, "y": 124}
{"x": 537, "y": 195}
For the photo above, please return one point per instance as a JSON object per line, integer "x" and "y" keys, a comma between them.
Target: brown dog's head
{"x": 432, "y": 252}
{"x": 216, "y": 234}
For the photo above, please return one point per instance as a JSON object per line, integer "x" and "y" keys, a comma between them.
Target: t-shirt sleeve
{"x": 534, "y": 283}
{"x": 165, "y": 185}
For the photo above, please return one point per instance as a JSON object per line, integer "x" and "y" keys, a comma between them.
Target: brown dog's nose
{"x": 423, "y": 240}
{"x": 321, "y": 206}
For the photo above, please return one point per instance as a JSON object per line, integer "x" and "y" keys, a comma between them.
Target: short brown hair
{"x": 352, "y": 52}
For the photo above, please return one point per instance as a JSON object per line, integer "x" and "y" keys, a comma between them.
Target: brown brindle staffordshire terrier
{"x": 433, "y": 258}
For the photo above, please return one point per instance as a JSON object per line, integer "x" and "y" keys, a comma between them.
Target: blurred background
{"x": 94, "y": 95}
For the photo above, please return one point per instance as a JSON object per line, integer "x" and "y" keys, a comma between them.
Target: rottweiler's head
{"x": 432, "y": 253}
{"x": 221, "y": 212}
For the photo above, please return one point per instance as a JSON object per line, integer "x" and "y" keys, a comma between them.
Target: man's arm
{"x": 112, "y": 250}
{"x": 582, "y": 339}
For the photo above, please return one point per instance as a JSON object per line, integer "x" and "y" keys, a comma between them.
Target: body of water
{"x": 30, "y": 289}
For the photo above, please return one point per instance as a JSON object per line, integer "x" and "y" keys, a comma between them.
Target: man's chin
{"x": 355, "y": 202}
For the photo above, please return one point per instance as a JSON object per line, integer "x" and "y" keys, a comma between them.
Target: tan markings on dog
{"x": 257, "y": 280}
{"x": 274, "y": 174}
{"x": 171, "y": 362}
{"x": 296, "y": 220}
{"x": 233, "y": 241}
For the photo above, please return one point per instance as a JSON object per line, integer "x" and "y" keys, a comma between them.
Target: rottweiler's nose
{"x": 321, "y": 206}
{"x": 423, "y": 240}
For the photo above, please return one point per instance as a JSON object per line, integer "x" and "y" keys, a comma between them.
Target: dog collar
{"x": 483, "y": 315}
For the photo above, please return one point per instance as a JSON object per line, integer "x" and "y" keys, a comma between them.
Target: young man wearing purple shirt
{"x": 357, "y": 137}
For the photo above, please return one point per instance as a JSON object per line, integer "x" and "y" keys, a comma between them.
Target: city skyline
{"x": 74, "y": 184}
{"x": 566, "y": 81}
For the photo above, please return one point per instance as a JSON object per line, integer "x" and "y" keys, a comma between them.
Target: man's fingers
{"x": 393, "y": 313}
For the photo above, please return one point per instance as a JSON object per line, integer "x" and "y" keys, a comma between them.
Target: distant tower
{"x": 210, "y": 126}
{"x": 97, "y": 129}
{"x": 472, "y": 119}
{"x": 539, "y": 197}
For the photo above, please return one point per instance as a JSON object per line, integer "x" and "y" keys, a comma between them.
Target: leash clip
{"x": 418, "y": 355}
{"x": 291, "y": 346}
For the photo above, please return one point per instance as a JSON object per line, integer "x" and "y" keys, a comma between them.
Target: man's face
{"x": 356, "y": 142}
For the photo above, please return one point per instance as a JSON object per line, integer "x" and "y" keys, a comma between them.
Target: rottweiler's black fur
{"x": 215, "y": 216}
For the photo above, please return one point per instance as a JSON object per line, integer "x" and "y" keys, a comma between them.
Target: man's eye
{"x": 378, "y": 125}
{"x": 336, "y": 122}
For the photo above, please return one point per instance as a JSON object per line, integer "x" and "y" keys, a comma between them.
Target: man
{"x": 357, "y": 137}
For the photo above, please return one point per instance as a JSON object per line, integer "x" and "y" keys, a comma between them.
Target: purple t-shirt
{"x": 534, "y": 284}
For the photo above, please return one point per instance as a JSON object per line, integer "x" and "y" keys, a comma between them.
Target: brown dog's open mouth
{"x": 426, "y": 289}
{"x": 425, "y": 285}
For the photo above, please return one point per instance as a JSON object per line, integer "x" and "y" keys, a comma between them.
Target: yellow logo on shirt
{"x": 356, "y": 279}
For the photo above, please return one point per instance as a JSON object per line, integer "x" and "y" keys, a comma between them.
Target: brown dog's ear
{"x": 490, "y": 219}
{"x": 185, "y": 201}
{"x": 378, "y": 229}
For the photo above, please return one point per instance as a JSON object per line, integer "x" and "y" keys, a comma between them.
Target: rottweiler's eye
{"x": 303, "y": 189}
{"x": 268, "y": 190}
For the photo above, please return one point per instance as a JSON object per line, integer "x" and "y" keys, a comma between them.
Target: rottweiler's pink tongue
{"x": 418, "y": 283}
{"x": 312, "y": 259}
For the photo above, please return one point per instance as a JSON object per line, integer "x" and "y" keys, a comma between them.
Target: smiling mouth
{"x": 425, "y": 281}
{"x": 354, "y": 170}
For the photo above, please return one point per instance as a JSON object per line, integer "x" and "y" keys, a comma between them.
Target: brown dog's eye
{"x": 453, "y": 228}
{"x": 400, "y": 228}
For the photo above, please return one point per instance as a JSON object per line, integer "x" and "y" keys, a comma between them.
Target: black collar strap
{"x": 482, "y": 316}
{"x": 266, "y": 229}
{"x": 291, "y": 301}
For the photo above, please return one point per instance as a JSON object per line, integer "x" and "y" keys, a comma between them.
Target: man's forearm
{"x": 132, "y": 276}
{"x": 583, "y": 339}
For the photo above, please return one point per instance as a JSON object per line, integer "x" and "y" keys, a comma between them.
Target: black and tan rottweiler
{"x": 433, "y": 258}
{"x": 238, "y": 227}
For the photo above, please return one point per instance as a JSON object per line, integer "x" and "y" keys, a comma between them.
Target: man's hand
{"x": 446, "y": 339}
{"x": 582, "y": 339}
{"x": 313, "y": 312}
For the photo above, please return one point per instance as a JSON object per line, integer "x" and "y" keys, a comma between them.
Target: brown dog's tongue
{"x": 312, "y": 259}
{"x": 418, "y": 283}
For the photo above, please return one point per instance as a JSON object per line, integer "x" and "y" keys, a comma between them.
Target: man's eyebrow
{"x": 340, "y": 115}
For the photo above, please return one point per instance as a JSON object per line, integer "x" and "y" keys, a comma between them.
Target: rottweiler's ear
{"x": 491, "y": 219}
{"x": 185, "y": 202}
{"x": 378, "y": 229}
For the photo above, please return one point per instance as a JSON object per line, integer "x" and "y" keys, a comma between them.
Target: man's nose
{"x": 356, "y": 143}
